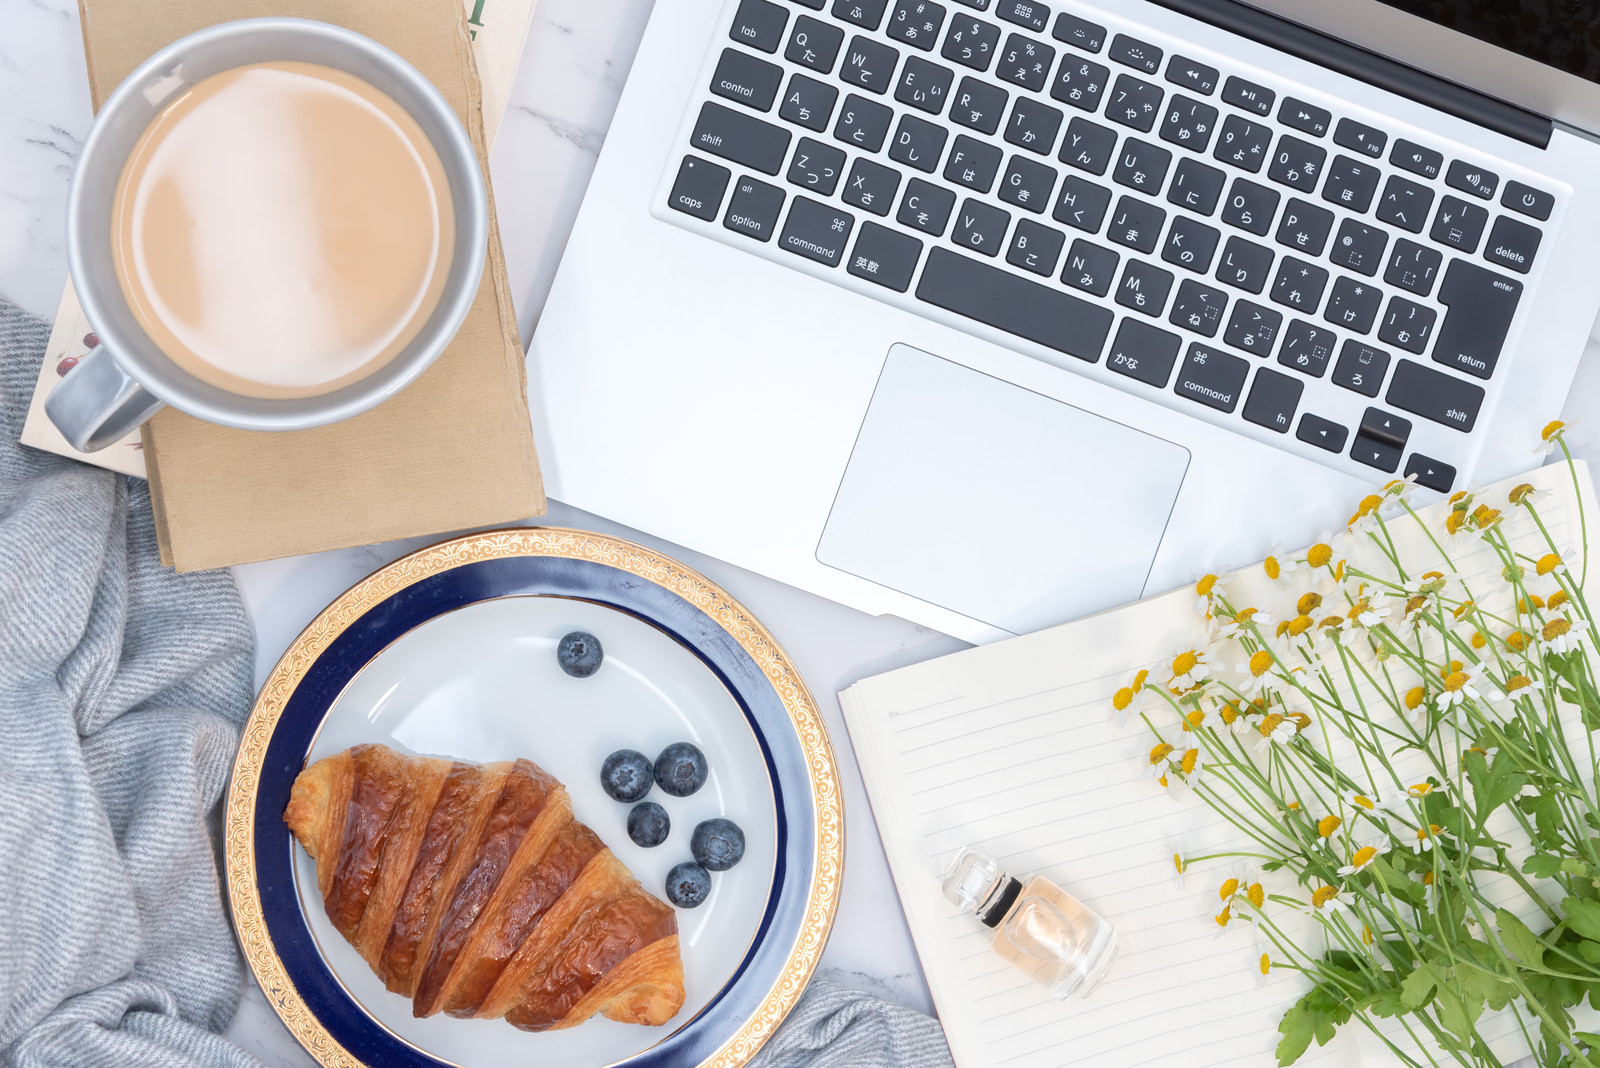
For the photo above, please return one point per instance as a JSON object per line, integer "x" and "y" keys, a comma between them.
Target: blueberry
{"x": 681, "y": 769}
{"x": 717, "y": 844}
{"x": 626, "y": 775}
{"x": 688, "y": 885}
{"x": 579, "y": 654}
{"x": 648, "y": 824}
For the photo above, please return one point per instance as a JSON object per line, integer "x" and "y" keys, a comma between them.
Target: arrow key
{"x": 1380, "y": 426}
{"x": 1375, "y": 453}
{"x": 1323, "y": 433}
{"x": 1431, "y": 473}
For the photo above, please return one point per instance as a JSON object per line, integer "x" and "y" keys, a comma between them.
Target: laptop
{"x": 993, "y": 313}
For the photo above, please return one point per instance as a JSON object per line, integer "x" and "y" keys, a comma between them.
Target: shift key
{"x": 1482, "y": 305}
{"x": 745, "y": 140}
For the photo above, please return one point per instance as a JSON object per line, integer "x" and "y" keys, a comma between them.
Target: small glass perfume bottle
{"x": 1034, "y": 925}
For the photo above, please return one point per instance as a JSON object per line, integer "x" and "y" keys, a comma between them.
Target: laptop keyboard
{"x": 1204, "y": 235}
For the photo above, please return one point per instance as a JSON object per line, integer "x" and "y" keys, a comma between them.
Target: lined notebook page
{"x": 1013, "y": 748}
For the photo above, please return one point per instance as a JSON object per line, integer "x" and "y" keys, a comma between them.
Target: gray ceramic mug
{"x": 128, "y": 378}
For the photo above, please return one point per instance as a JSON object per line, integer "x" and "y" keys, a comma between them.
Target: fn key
{"x": 1273, "y": 399}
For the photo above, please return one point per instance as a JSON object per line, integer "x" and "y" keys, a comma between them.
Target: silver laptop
{"x": 992, "y": 313}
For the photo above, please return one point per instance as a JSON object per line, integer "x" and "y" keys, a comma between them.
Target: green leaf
{"x": 1574, "y": 866}
{"x": 1583, "y": 917}
{"x": 1589, "y": 951}
{"x": 1457, "y": 1011}
{"x": 1418, "y": 987}
{"x": 1542, "y": 865}
{"x": 1385, "y": 1003}
{"x": 1522, "y": 942}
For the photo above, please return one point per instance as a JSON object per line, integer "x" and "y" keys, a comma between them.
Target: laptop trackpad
{"x": 997, "y": 502}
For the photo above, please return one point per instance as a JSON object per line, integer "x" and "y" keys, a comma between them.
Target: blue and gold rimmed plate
{"x": 451, "y": 652}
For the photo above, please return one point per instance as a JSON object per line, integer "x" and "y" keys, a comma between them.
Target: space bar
{"x": 1015, "y": 305}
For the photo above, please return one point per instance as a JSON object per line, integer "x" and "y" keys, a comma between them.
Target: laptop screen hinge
{"x": 1348, "y": 59}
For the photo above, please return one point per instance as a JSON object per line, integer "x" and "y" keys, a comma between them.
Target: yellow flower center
{"x": 1122, "y": 699}
{"x": 1415, "y": 696}
{"x": 1184, "y": 663}
{"x": 1308, "y": 603}
{"x": 1518, "y": 682}
{"x": 1364, "y": 855}
{"x": 1427, "y": 878}
{"x": 1456, "y": 680}
{"x": 1429, "y": 831}
{"x": 1270, "y": 724}
{"x": 1224, "y": 916}
{"x": 1415, "y": 602}
{"x": 1364, "y": 801}
{"x": 1556, "y": 600}
{"x": 1330, "y": 621}
{"x": 1357, "y": 609}
{"x": 1229, "y": 888}
{"x": 1299, "y": 625}
{"x": 1205, "y": 585}
{"x": 1230, "y": 712}
{"x": 1478, "y": 640}
{"x": 1256, "y": 894}
{"x": 1271, "y": 566}
{"x": 1368, "y": 505}
{"x": 1293, "y": 805}
{"x": 1159, "y": 753}
{"x": 1485, "y": 516}
{"x": 1517, "y": 641}
{"x": 1454, "y": 521}
{"x": 1177, "y": 862}
{"x": 1266, "y": 964}
{"x": 1300, "y": 720}
{"x": 1138, "y": 680}
{"x": 1327, "y": 825}
{"x": 1548, "y": 563}
{"x": 1190, "y": 761}
{"x": 1324, "y": 894}
{"x": 1319, "y": 555}
{"x": 1458, "y": 496}
{"x": 1193, "y": 720}
{"x": 1520, "y": 493}
{"x": 1421, "y": 789}
{"x": 1555, "y": 629}
{"x": 1462, "y": 609}
{"x": 1551, "y": 429}
{"x": 1260, "y": 663}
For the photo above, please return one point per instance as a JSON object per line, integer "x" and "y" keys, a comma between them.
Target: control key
{"x": 1482, "y": 305}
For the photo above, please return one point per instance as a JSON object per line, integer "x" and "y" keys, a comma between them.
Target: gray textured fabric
{"x": 836, "y": 1027}
{"x": 122, "y": 686}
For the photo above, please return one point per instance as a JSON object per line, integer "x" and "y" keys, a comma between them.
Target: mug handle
{"x": 97, "y": 404}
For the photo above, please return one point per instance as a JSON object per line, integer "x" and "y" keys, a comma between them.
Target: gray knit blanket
{"x": 122, "y": 689}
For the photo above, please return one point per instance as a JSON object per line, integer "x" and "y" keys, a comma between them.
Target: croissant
{"x": 472, "y": 890}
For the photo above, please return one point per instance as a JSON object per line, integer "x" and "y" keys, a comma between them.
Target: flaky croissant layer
{"x": 472, "y": 890}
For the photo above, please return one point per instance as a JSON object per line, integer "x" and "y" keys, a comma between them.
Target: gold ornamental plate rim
{"x": 822, "y": 896}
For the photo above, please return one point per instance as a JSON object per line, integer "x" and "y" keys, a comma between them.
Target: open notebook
{"x": 1013, "y": 748}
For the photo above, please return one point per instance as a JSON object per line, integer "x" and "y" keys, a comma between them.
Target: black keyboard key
{"x": 923, "y": 85}
{"x": 1249, "y": 96}
{"x": 1090, "y": 267}
{"x": 1144, "y": 352}
{"x": 808, "y": 103}
{"x": 972, "y": 163}
{"x": 864, "y": 13}
{"x": 1469, "y": 179}
{"x": 754, "y": 209}
{"x": 759, "y": 25}
{"x": 1359, "y": 247}
{"x": 1191, "y": 244}
{"x": 1529, "y": 201}
{"x": 918, "y": 143}
{"x": 814, "y": 5}
{"x": 1132, "y": 52}
{"x": 1408, "y": 325}
{"x": 871, "y": 186}
{"x": 1481, "y": 306}
{"x": 1198, "y": 307}
{"x": 1435, "y": 395}
{"x": 1025, "y": 62}
{"x": 1079, "y": 33}
{"x": 1034, "y": 16}
{"x": 980, "y": 227}
{"x": 869, "y": 64}
{"x": 1034, "y": 125}
{"x": 1459, "y": 224}
{"x": 971, "y": 42}
{"x": 1251, "y": 207}
{"x": 1245, "y": 265}
{"x": 1027, "y": 184}
{"x": 1193, "y": 75}
{"x": 814, "y": 43}
{"x": 1196, "y": 186}
{"x": 863, "y": 124}
{"x": 978, "y": 105}
{"x": 1297, "y": 164}
{"x": 1306, "y": 348}
{"x": 1144, "y": 288}
{"x": 1380, "y": 425}
{"x": 1307, "y": 118}
{"x": 1430, "y": 472}
{"x": 816, "y": 231}
{"x": 1361, "y": 368}
{"x": 1413, "y": 267}
{"x": 1080, "y": 82}
{"x": 1189, "y": 123}
{"x": 698, "y": 188}
{"x": 885, "y": 256}
{"x": 1323, "y": 433}
{"x": 977, "y": 5}
{"x": 1014, "y": 304}
{"x": 1035, "y": 247}
{"x": 1512, "y": 243}
{"x": 1212, "y": 378}
{"x": 1136, "y": 224}
{"x": 1243, "y": 143}
{"x": 1410, "y": 156}
{"x": 742, "y": 77}
{"x": 1253, "y": 328}
{"x": 744, "y": 139}
{"x": 1088, "y": 146}
{"x": 1305, "y": 227}
{"x": 926, "y": 207}
{"x": 1299, "y": 285}
{"x": 1142, "y": 166}
{"x": 1273, "y": 399}
{"x": 1353, "y": 305}
{"x": 816, "y": 167}
{"x": 917, "y": 23}
{"x": 1375, "y": 453}
{"x": 1359, "y": 137}
{"x": 1081, "y": 205}
{"x": 1405, "y": 204}
{"x": 1350, "y": 184}
{"x": 1134, "y": 102}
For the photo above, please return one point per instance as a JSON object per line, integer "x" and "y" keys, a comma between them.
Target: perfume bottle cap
{"x": 971, "y": 879}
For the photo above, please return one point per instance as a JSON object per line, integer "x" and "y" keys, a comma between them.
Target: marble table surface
{"x": 577, "y": 57}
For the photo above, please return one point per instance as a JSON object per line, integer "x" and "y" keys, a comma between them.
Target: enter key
{"x": 1482, "y": 305}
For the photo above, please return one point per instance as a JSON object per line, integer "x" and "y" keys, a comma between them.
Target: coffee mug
{"x": 128, "y": 378}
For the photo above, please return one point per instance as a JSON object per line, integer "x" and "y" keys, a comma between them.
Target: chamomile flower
{"x": 1190, "y": 669}
{"x": 1562, "y": 635}
{"x": 1365, "y": 855}
{"x": 1456, "y": 688}
{"x": 1180, "y": 866}
{"x": 1240, "y": 623}
{"x": 1519, "y": 686}
{"x": 1274, "y": 729}
{"x": 1550, "y": 437}
{"x": 1365, "y": 519}
{"x": 1327, "y": 900}
{"x": 1426, "y": 837}
{"x": 1280, "y": 565}
{"x": 1401, "y": 489}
